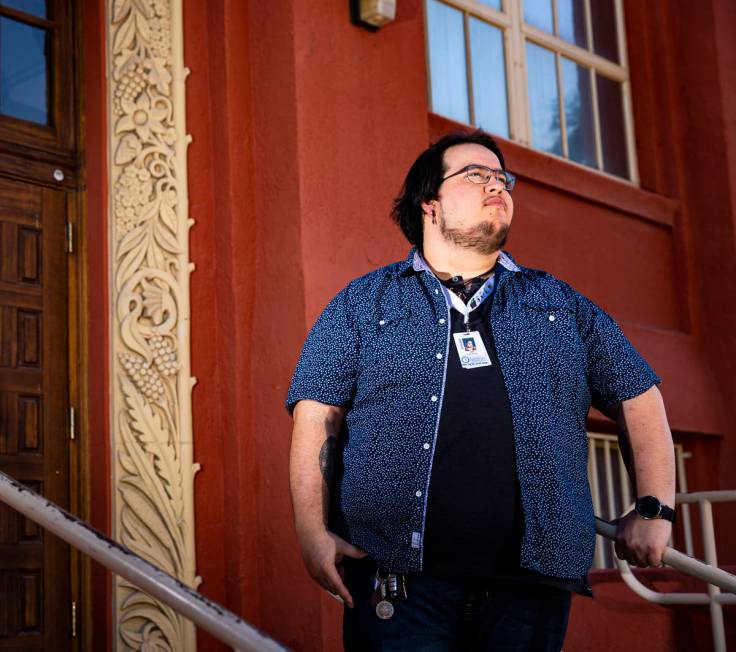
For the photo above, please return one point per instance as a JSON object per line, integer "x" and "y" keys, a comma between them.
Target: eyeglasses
{"x": 482, "y": 174}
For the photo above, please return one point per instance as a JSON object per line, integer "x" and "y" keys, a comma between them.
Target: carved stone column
{"x": 153, "y": 470}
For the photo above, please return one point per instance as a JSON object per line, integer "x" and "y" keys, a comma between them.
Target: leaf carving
{"x": 155, "y": 440}
{"x": 125, "y": 33}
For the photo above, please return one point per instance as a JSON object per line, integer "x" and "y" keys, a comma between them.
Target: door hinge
{"x": 72, "y": 424}
{"x": 74, "y": 619}
{"x": 69, "y": 238}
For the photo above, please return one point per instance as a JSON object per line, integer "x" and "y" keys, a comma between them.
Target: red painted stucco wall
{"x": 303, "y": 126}
{"x": 97, "y": 608}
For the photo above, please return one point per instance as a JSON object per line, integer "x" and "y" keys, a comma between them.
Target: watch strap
{"x": 667, "y": 513}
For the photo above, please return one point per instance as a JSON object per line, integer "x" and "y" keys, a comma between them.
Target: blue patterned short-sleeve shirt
{"x": 380, "y": 349}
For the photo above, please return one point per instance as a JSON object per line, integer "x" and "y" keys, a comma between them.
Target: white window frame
{"x": 515, "y": 33}
{"x": 617, "y": 484}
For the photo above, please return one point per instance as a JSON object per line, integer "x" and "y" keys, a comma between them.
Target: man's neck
{"x": 450, "y": 261}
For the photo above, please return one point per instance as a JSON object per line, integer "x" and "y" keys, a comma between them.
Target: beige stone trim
{"x": 153, "y": 469}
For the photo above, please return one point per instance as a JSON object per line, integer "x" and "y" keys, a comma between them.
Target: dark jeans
{"x": 443, "y": 615}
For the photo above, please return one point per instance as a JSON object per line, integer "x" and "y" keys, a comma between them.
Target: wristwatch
{"x": 649, "y": 507}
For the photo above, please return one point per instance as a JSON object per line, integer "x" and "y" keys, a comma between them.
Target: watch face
{"x": 648, "y": 507}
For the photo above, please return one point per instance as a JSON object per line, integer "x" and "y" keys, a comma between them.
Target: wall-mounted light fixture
{"x": 372, "y": 14}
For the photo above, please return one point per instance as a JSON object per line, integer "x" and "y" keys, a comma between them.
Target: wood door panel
{"x": 34, "y": 567}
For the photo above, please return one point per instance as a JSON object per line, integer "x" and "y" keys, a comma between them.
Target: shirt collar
{"x": 416, "y": 261}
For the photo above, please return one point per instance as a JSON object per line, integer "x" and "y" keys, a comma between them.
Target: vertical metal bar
{"x": 596, "y": 119}
{"x": 468, "y": 67}
{"x": 427, "y": 56}
{"x": 709, "y": 548}
{"x": 685, "y": 509}
{"x": 609, "y": 487}
{"x": 626, "y": 497}
{"x": 609, "y": 479}
{"x": 521, "y": 84}
{"x": 561, "y": 106}
{"x": 596, "y": 495}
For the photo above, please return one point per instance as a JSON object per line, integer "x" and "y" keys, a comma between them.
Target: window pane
{"x": 578, "y": 113}
{"x": 447, "y": 61}
{"x": 544, "y": 106}
{"x": 613, "y": 137}
{"x": 35, "y": 7}
{"x": 603, "y": 18}
{"x": 496, "y": 4}
{"x": 539, "y": 14}
{"x": 489, "y": 78}
{"x": 23, "y": 85}
{"x": 571, "y": 21}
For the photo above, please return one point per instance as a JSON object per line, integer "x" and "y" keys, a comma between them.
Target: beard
{"x": 483, "y": 238}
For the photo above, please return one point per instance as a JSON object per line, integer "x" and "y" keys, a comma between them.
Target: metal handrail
{"x": 210, "y": 616}
{"x": 709, "y": 572}
{"x": 680, "y": 561}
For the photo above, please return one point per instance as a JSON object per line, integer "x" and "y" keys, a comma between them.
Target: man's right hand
{"x": 322, "y": 551}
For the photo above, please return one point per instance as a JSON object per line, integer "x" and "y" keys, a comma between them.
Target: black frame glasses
{"x": 482, "y": 174}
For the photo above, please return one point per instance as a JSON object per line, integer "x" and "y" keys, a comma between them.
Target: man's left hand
{"x": 642, "y": 542}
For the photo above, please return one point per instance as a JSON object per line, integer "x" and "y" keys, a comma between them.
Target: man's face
{"x": 472, "y": 215}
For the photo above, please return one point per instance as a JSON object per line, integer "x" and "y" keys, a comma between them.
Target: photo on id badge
{"x": 471, "y": 350}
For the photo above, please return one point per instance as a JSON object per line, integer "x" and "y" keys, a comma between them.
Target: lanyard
{"x": 479, "y": 297}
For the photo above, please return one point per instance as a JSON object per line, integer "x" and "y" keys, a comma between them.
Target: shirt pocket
{"x": 387, "y": 347}
{"x": 552, "y": 329}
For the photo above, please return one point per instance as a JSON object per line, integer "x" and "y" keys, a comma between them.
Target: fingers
{"x": 334, "y": 584}
{"x": 349, "y": 550}
{"x": 635, "y": 556}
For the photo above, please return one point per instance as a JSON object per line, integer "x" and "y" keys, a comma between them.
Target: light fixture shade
{"x": 377, "y": 12}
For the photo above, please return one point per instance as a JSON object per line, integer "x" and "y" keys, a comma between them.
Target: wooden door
{"x": 34, "y": 442}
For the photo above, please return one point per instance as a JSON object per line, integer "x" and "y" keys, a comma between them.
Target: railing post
{"x": 709, "y": 546}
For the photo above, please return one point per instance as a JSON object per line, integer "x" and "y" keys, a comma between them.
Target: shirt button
{"x": 551, "y": 317}
{"x": 418, "y": 494}
{"x": 436, "y": 291}
{"x": 439, "y": 356}
{"x": 434, "y": 399}
{"x": 442, "y": 321}
{"x": 425, "y": 447}
{"x": 382, "y": 322}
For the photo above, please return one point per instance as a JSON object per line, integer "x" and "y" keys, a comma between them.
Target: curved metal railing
{"x": 210, "y": 616}
{"x": 709, "y": 572}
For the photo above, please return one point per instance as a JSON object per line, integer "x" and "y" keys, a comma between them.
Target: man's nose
{"x": 494, "y": 186}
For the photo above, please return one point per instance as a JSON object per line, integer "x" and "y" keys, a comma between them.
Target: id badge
{"x": 472, "y": 350}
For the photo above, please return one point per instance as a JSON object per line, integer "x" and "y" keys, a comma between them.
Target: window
{"x": 24, "y": 60}
{"x": 612, "y": 494}
{"x": 550, "y": 74}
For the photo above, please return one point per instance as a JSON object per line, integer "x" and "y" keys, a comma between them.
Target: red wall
{"x": 97, "y": 610}
{"x": 303, "y": 127}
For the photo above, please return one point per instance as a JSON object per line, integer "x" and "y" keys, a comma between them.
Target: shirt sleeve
{"x": 616, "y": 371}
{"x": 328, "y": 365}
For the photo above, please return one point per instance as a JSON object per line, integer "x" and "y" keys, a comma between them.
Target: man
{"x": 443, "y": 494}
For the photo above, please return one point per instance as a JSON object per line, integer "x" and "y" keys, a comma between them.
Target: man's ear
{"x": 429, "y": 207}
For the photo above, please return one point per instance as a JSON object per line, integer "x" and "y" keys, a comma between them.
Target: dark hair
{"x": 424, "y": 178}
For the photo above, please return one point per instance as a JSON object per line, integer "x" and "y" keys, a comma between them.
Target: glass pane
{"x": 496, "y": 4}
{"x": 489, "y": 78}
{"x": 23, "y": 71}
{"x": 539, "y": 14}
{"x": 613, "y": 135}
{"x": 577, "y": 96}
{"x": 35, "y": 7}
{"x": 571, "y": 21}
{"x": 447, "y": 71}
{"x": 544, "y": 106}
{"x": 603, "y": 19}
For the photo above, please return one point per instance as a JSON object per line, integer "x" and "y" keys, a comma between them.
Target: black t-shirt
{"x": 474, "y": 522}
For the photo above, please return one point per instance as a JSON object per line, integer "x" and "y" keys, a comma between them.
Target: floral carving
{"x": 153, "y": 468}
